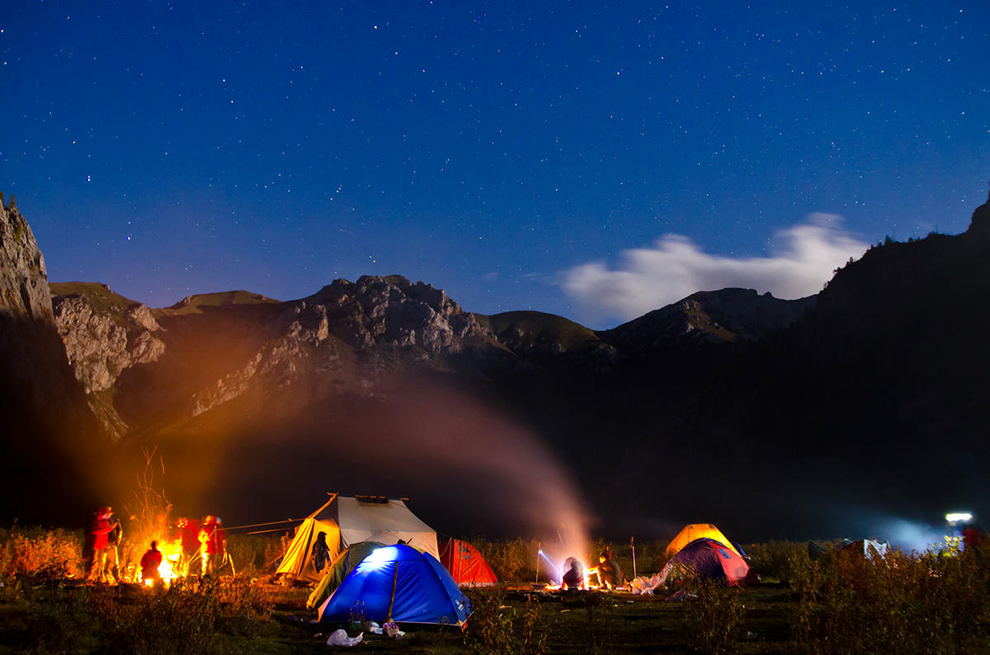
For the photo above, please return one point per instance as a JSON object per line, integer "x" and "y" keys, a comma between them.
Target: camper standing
{"x": 213, "y": 544}
{"x": 113, "y": 545}
{"x": 95, "y": 547}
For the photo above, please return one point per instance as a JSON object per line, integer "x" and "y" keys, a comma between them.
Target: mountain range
{"x": 775, "y": 418}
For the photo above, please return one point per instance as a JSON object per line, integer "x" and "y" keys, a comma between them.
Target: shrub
{"x": 714, "y": 619}
{"x": 40, "y": 554}
{"x": 601, "y": 621}
{"x": 930, "y": 604}
{"x": 490, "y": 629}
{"x": 772, "y": 560}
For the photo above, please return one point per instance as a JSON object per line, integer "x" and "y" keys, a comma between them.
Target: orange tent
{"x": 698, "y": 531}
{"x": 466, "y": 565}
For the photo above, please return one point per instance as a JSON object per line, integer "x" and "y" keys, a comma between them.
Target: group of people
{"x": 206, "y": 539}
{"x": 608, "y": 571}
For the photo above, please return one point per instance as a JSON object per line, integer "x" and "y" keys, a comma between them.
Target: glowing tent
{"x": 706, "y": 558}
{"x": 342, "y": 565}
{"x": 698, "y": 531}
{"x": 466, "y": 565}
{"x": 401, "y": 584}
{"x": 349, "y": 520}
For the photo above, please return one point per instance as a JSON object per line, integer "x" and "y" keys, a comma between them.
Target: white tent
{"x": 348, "y": 520}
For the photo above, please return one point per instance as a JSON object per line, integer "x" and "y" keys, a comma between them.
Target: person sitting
{"x": 574, "y": 577}
{"x": 609, "y": 572}
{"x": 150, "y": 562}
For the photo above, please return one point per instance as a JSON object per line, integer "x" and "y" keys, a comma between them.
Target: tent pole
{"x": 391, "y": 601}
{"x": 333, "y": 497}
{"x": 632, "y": 542}
{"x": 539, "y": 547}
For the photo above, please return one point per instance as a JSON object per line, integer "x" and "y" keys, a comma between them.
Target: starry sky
{"x": 594, "y": 160}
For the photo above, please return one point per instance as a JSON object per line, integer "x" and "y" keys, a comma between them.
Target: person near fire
{"x": 574, "y": 577}
{"x": 150, "y": 562}
{"x": 186, "y": 539}
{"x": 96, "y": 544}
{"x": 609, "y": 571}
{"x": 113, "y": 548}
{"x": 213, "y": 544}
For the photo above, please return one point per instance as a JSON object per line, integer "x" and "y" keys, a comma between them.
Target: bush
{"x": 932, "y": 604}
{"x": 714, "y": 619}
{"x": 490, "y": 628}
{"x": 772, "y": 560}
{"x": 134, "y": 619}
{"x": 39, "y": 554}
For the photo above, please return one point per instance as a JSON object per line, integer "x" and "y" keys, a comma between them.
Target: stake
{"x": 632, "y": 542}
{"x": 539, "y": 549}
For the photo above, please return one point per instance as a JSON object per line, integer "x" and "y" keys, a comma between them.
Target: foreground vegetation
{"x": 838, "y": 604}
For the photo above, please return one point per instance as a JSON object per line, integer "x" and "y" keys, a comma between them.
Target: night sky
{"x": 591, "y": 160}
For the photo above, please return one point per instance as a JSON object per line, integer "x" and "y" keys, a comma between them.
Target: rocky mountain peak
{"x": 104, "y": 333}
{"x": 727, "y": 315}
{"x": 390, "y": 311}
{"x": 24, "y": 289}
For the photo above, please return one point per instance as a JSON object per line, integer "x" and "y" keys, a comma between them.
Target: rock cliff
{"x": 24, "y": 289}
{"x": 45, "y": 420}
{"x": 103, "y": 339}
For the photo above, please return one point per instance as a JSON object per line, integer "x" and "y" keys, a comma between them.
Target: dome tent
{"x": 466, "y": 565}
{"x": 338, "y": 571}
{"x": 706, "y": 558}
{"x": 401, "y": 584}
{"x": 695, "y": 531}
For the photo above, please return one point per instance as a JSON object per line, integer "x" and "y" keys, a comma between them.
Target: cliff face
{"x": 101, "y": 344}
{"x": 24, "y": 292}
{"x": 45, "y": 421}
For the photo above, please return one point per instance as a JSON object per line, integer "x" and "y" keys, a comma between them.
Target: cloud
{"x": 804, "y": 259}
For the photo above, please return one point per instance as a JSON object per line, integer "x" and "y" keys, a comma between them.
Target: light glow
{"x": 959, "y": 517}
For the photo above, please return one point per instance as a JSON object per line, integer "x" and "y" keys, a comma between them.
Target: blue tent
{"x": 398, "y": 583}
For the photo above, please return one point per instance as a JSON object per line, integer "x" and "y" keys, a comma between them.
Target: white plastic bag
{"x": 340, "y": 638}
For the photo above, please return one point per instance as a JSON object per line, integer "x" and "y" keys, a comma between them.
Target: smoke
{"x": 803, "y": 259}
{"x": 467, "y": 468}
{"x": 911, "y": 536}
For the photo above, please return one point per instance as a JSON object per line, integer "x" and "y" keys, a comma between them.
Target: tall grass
{"x": 898, "y": 604}
{"x": 40, "y": 553}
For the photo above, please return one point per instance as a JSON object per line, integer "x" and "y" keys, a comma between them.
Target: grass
{"x": 837, "y": 604}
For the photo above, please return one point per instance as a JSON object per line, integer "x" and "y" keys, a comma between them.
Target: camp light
{"x": 958, "y": 517}
{"x": 379, "y": 558}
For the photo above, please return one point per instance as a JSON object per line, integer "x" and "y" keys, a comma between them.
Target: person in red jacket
{"x": 213, "y": 544}
{"x": 187, "y": 536}
{"x": 95, "y": 546}
{"x": 150, "y": 562}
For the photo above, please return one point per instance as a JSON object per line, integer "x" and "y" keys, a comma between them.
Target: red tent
{"x": 707, "y": 558}
{"x": 466, "y": 564}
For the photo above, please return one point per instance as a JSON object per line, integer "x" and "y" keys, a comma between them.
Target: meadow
{"x": 839, "y": 603}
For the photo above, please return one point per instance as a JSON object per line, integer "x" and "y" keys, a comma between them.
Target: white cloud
{"x": 802, "y": 259}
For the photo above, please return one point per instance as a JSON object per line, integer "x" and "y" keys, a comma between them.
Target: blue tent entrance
{"x": 398, "y": 583}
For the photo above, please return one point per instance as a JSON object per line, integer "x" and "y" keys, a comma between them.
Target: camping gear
{"x": 706, "y": 558}
{"x": 466, "y": 565}
{"x": 868, "y": 548}
{"x": 698, "y": 531}
{"x": 344, "y": 564}
{"x": 348, "y": 520}
{"x": 397, "y": 583}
